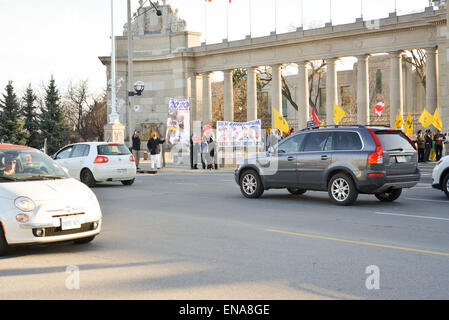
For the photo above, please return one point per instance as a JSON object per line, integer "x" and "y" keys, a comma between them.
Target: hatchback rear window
{"x": 113, "y": 150}
{"x": 394, "y": 141}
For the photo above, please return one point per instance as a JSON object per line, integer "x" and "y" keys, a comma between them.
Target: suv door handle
{"x": 324, "y": 157}
{"x": 291, "y": 158}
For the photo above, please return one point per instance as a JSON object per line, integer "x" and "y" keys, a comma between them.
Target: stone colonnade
{"x": 302, "y": 94}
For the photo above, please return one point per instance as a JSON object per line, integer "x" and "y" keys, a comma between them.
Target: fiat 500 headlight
{"x": 25, "y": 204}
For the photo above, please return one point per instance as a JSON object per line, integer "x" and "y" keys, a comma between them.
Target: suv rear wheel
{"x": 389, "y": 196}
{"x": 342, "y": 190}
{"x": 296, "y": 191}
{"x": 3, "y": 243}
{"x": 445, "y": 185}
{"x": 251, "y": 185}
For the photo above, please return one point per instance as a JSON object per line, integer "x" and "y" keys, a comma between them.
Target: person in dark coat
{"x": 155, "y": 150}
{"x": 136, "y": 147}
{"x": 421, "y": 145}
{"x": 439, "y": 140}
{"x": 428, "y": 145}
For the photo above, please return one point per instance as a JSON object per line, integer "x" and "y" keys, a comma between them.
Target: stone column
{"x": 276, "y": 87}
{"x": 431, "y": 80}
{"x": 362, "y": 90}
{"x": 196, "y": 96}
{"x": 228, "y": 96}
{"x": 252, "y": 94}
{"x": 207, "y": 98}
{"x": 302, "y": 95}
{"x": 396, "y": 98}
{"x": 331, "y": 90}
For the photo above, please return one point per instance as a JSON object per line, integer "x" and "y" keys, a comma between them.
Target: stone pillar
{"x": 114, "y": 132}
{"x": 228, "y": 96}
{"x": 276, "y": 87}
{"x": 431, "y": 80}
{"x": 331, "y": 90}
{"x": 252, "y": 94}
{"x": 396, "y": 98}
{"x": 207, "y": 98}
{"x": 362, "y": 90}
{"x": 302, "y": 95}
{"x": 196, "y": 96}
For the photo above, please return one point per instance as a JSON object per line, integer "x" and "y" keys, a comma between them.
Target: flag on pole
{"x": 408, "y": 128}
{"x": 379, "y": 108}
{"x": 339, "y": 113}
{"x": 315, "y": 118}
{"x": 426, "y": 118}
{"x": 280, "y": 122}
{"x": 399, "y": 120}
{"x": 437, "y": 123}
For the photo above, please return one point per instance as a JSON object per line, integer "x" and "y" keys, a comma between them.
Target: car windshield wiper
{"x": 4, "y": 178}
{"x": 41, "y": 177}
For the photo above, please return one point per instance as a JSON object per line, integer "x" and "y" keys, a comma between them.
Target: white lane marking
{"x": 428, "y": 200}
{"x": 410, "y": 216}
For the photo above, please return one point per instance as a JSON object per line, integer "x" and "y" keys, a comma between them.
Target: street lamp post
{"x": 138, "y": 87}
{"x": 113, "y": 117}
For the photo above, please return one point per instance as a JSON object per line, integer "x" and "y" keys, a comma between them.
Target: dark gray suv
{"x": 342, "y": 160}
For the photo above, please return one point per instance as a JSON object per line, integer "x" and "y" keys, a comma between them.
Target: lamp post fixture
{"x": 139, "y": 86}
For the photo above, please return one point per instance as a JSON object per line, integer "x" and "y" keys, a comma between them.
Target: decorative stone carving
{"x": 148, "y": 22}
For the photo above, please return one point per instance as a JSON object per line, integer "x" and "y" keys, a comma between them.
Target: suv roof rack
{"x": 335, "y": 126}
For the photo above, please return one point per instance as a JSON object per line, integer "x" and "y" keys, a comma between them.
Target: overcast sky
{"x": 64, "y": 38}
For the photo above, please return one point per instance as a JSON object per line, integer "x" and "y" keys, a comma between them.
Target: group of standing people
{"x": 153, "y": 146}
{"x": 206, "y": 149}
{"x": 429, "y": 144}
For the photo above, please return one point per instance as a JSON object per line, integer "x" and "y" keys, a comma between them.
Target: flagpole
{"x": 205, "y": 22}
{"x": 227, "y": 20}
{"x": 276, "y": 16}
{"x": 250, "y": 20}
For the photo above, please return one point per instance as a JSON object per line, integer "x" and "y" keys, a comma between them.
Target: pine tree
{"x": 11, "y": 119}
{"x": 52, "y": 121}
{"x": 29, "y": 111}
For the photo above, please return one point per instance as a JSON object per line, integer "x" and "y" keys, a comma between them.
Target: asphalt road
{"x": 182, "y": 235}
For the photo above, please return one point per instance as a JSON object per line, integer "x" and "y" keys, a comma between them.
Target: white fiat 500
{"x": 41, "y": 203}
{"x": 93, "y": 162}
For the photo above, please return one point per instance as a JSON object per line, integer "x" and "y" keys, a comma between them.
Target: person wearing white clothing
{"x": 155, "y": 150}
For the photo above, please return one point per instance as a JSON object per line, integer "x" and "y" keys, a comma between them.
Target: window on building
{"x": 345, "y": 93}
{"x": 379, "y": 81}
{"x": 322, "y": 105}
{"x": 284, "y": 107}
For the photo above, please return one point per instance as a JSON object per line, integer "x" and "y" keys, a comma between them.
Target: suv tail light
{"x": 376, "y": 157}
{"x": 132, "y": 159}
{"x": 101, "y": 159}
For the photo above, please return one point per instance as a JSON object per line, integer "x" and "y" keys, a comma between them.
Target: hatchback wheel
{"x": 389, "y": 196}
{"x": 3, "y": 243}
{"x": 446, "y": 185}
{"x": 251, "y": 185}
{"x": 128, "y": 182}
{"x": 342, "y": 190}
{"x": 296, "y": 191}
{"x": 88, "y": 178}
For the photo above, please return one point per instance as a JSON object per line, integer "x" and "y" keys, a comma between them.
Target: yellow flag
{"x": 426, "y": 118}
{"x": 399, "y": 120}
{"x": 279, "y": 122}
{"x": 408, "y": 129}
{"x": 339, "y": 113}
{"x": 437, "y": 123}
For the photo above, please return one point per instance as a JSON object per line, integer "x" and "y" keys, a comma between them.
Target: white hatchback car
{"x": 40, "y": 203}
{"x": 93, "y": 162}
{"x": 440, "y": 175}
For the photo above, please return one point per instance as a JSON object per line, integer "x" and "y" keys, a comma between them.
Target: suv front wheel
{"x": 342, "y": 190}
{"x": 445, "y": 185}
{"x": 251, "y": 185}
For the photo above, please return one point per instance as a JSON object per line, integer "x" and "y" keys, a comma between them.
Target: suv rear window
{"x": 113, "y": 150}
{"x": 394, "y": 141}
{"x": 347, "y": 141}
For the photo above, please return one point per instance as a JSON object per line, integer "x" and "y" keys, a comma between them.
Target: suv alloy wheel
{"x": 251, "y": 185}
{"x": 445, "y": 185}
{"x": 342, "y": 190}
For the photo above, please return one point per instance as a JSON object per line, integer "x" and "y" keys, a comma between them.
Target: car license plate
{"x": 121, "y": 171}
{"x": 69, "y": 223}
{"x": 401, "y": 159}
